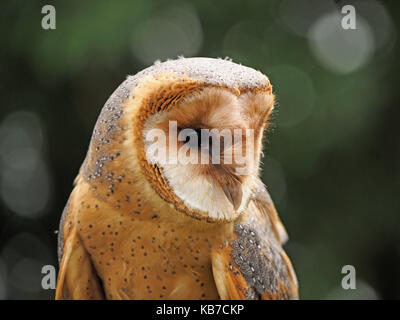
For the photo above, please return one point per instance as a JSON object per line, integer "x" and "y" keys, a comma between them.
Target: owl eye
{"x": 190, "y": 137}
{"x": 195, "y": 137}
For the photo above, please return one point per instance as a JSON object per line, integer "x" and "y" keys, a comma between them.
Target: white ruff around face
{"x": 201, "y": 194}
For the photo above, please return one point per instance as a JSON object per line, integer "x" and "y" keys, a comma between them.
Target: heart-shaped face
{"x": 207, "y": 148}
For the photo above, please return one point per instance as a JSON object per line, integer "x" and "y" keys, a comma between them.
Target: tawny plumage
{"x": 137, "y": 228}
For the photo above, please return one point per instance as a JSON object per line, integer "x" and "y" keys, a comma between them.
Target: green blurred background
{"x": 332, "y": 156}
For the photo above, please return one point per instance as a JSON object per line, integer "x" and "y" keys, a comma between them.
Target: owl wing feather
{"x": 77, "y": 278}
{"x": 252, "y": 264}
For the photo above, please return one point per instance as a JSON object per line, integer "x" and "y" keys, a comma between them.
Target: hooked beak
{"x": 232, "y": 188}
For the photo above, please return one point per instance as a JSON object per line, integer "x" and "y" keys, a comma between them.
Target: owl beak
{"x": 233, "y": 192}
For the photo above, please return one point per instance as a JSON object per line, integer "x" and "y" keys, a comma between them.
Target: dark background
{"x": 332, "y": 156}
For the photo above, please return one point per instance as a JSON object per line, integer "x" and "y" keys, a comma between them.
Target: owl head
{"x": 192, "y": 128}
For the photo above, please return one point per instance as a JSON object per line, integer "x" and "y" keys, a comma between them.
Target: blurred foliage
{"x": 332, "y": 154}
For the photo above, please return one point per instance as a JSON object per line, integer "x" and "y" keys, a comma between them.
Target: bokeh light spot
{"x": 298, "y": 16}
{"x": 339, "y": 50}
{"x": 24, "y": 177}
{"x": 174, "y": 31}
{"x": 295, "y": 94}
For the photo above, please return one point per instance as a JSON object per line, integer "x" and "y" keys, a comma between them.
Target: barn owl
{"x": 136, "y": 227}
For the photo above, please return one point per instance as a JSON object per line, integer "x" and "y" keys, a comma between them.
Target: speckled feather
{"x": 123, "y": 234}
